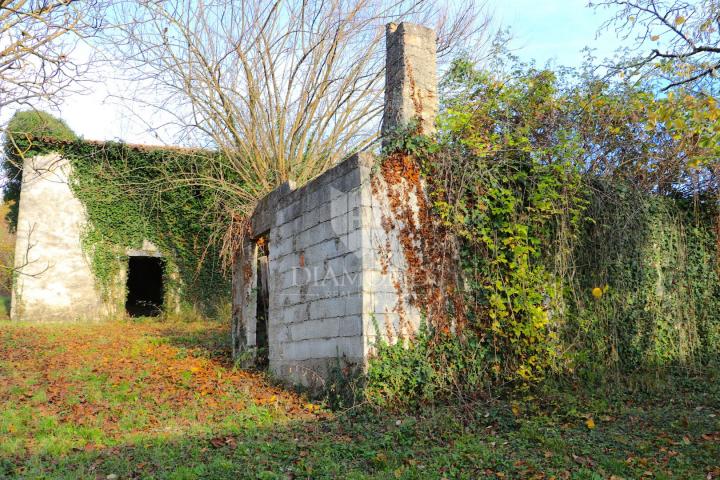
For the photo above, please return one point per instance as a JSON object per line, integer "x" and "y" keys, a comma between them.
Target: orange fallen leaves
{"x": 98, "y": 374}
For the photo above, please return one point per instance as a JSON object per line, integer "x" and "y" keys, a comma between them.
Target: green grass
{"x": 659, "y": 427}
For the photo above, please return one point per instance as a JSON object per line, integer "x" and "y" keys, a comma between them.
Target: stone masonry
{"x": 53, "y": 279}
{"x": 410, "y": 77}
{"x": 336, "y": 267}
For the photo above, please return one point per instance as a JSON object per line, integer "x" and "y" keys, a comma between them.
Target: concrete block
{"x": 354, "y": 198}
{"x": 280, "y": 335}
{"x": 318, "y": 253}
{"x": 354, "y": 305}
{"x": 288, "y": 229}
{"x": 320, "y": 214}
{"x": 338, "y": 287}
{"x": 345, "y": 183}
{"x": 383, "y": 302}
{"x": 294, "y": 314}
{"x": 353, "y": 241}
{"x": 289, "y": 213}
{"x": 317, "y": 234}
{"x": 352, "y": 263}
{"x": 286, "y": 262}
{"x": 376, "y": 281}
{"x": 340, "y": 225}
{"x": 350, "y": 326}
{"x": 410, "y": 77}
{"x": 330, "y": 348}
{"x": 327, "y": 308}
{"x": 321, "y": 328}
{"x": 333, "y": 268}
{"x": 316, "y": 198}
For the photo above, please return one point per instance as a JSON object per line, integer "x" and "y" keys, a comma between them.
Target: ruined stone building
{"x": 55, "y": 280}
{"x": 320, "y": 278}
{"x": 323, "y": 276}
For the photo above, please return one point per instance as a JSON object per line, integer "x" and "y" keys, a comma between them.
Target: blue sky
{"x": 543, "y": 30}
{"x": 554, "y": 30}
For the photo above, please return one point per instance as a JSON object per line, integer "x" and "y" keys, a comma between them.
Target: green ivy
{"x": 584, "y": 217}
{"x": 129, "y": 200}
{"x": 655, "y": 260}
{"x": 126, "y": 204}
{"x": 428, "y": 370}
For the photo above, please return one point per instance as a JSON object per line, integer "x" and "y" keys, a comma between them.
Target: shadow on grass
{"x": 206, "y": 339}
{"x": 631, "y": 440}
{"x": 302, "y": 449}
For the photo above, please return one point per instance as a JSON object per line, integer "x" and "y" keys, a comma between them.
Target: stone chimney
{"x": 410, "y": 77}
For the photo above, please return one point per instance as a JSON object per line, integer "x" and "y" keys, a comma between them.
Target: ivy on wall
{"x": 646, "y": 291}
{"x": 587, "y": 216}
{"x": 128, "y": 201}
{"x": 118, "y": 184}
{"x": 585, "y": 222}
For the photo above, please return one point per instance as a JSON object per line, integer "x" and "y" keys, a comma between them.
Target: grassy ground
{"x": 162, "y": 400}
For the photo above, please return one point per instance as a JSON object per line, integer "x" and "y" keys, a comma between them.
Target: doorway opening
{"x": 145, "y": 286}
{"x": 263, "y": 304}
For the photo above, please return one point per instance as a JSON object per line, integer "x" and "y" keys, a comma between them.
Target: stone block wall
{"x": 410, "y": 77}
{"x": 315, "y": 275}
{"x": 335, "y": 274}
{"x": 53, "y": 280}
{"x": 338, "y": 247}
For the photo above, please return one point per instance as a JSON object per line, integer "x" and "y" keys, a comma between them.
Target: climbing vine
{"x": 503, "y": 180}
{"x": 646, "y": 289}
{"x": 584, "y": 218}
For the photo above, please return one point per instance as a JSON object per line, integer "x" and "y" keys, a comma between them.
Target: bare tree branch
{"x": 685, "y": 36}
{"x": 283, "y": 90}
{"x": 37, "y": 43}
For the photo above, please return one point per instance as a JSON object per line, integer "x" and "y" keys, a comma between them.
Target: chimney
{"x": 410, "y": 77}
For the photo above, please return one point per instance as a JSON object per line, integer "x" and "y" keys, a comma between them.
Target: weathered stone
{"x": 54, "y": 280}
{"x": 410, "y": 77}
{"x": 336, "y": 273}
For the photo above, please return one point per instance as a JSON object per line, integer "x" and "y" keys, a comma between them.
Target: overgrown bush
{"x": 503, "y": 180}
{"x": 430, "y": 369}
{"x": 586, "y": 218}
{"x": 654, "y": 259}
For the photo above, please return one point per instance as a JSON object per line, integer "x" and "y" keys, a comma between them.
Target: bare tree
{"x": 682, "y": 38}
{"x": 37, "y": 40}
{"x": 282, "y": 89}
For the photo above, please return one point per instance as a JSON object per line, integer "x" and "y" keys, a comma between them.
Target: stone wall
{"x": 337, "y": 274}
{"x": 315, "y": 281}
{"x": 53, "y": 280}
{"x": 338, "y": 246}
{"x": 410, "y": 77}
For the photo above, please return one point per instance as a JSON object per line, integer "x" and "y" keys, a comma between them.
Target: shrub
{"x": 585, "y": 221}
{"x": 429, "y": 370}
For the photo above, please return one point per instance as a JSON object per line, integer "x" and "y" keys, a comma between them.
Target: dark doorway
{"x": 263, "y": 305}
{"x": 145, "y": 289}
